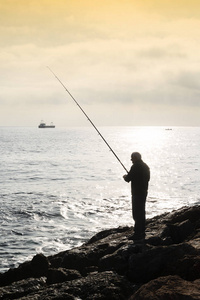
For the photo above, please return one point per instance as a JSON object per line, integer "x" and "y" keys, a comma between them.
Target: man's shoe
{"x": 137, "y": 237}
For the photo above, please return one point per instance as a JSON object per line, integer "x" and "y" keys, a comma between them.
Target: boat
{"x": 43, "y": 125}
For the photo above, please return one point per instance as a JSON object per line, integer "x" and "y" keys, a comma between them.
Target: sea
{"x": 61, "y": 186}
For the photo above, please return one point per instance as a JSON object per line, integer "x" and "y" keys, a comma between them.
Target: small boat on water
{"x": 43, "y": 125}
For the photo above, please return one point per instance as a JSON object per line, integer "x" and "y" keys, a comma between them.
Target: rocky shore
{"x": 111, "y": 265}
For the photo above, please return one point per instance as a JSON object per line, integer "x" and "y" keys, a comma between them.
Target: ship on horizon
{"x": 43, "y": 125}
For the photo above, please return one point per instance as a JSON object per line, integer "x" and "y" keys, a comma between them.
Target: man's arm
{"x": 128, "y": 177}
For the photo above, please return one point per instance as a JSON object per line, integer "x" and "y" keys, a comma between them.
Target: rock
{"x": 113, "y": 266}
{"x": 36, "y": 268}
{"x": 158, "y": 261}
{"x": 180, "y": 231}
{"x": 61, "y": 275}
{"x": 22, "y": 288}
{"x": 168, "y": 288}
{"x": 104, "y": 285}
{"x": 39, "y": 265}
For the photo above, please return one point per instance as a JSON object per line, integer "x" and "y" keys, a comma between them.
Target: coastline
{"x": 113, "y": 266}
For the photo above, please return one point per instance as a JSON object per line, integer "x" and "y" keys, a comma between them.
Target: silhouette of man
{"x": 139, "y": 175}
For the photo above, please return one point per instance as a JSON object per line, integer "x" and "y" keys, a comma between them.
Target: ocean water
{"x": 61, "y": 186}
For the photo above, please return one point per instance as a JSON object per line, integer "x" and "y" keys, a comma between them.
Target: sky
{"x": 126, "y": 62}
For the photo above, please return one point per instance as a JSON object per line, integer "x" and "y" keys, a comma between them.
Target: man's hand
{"x": 125, "y": 177}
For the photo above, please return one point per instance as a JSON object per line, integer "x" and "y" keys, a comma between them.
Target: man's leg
{"x": 138, "y": 209}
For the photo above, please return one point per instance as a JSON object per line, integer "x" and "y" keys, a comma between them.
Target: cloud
{"x": 177, "y": 9}
{"x": 188, "y": 80}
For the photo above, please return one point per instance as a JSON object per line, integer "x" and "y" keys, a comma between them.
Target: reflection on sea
{"x": 60, "y": 187}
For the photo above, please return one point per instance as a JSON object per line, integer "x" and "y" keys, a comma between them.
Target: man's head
{"x": 135, "y": 156}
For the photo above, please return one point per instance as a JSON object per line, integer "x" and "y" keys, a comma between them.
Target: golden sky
{"x": 128, "y": 62}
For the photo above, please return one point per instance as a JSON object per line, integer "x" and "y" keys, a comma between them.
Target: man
{"x": 139, "y": 175}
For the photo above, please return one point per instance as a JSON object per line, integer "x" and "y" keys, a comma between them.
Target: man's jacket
{"x": 139, "y": 175}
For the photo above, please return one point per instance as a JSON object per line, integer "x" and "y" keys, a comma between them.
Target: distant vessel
{"x": 43, "y": 125}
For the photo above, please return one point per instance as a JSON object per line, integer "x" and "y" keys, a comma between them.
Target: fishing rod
{"x": 88, "y": 119}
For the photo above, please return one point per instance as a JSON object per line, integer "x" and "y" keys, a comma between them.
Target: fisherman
{"x": 139, "y": 175}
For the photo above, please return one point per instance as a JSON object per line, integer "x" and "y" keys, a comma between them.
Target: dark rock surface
{"x": 111, "y": 265}
{"x": 169, "y": 288}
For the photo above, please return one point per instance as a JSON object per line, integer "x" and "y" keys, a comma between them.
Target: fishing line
{"x": 88, "y": 119}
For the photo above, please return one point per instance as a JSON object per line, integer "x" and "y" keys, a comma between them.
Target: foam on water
{"x": 59, "y": 187}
